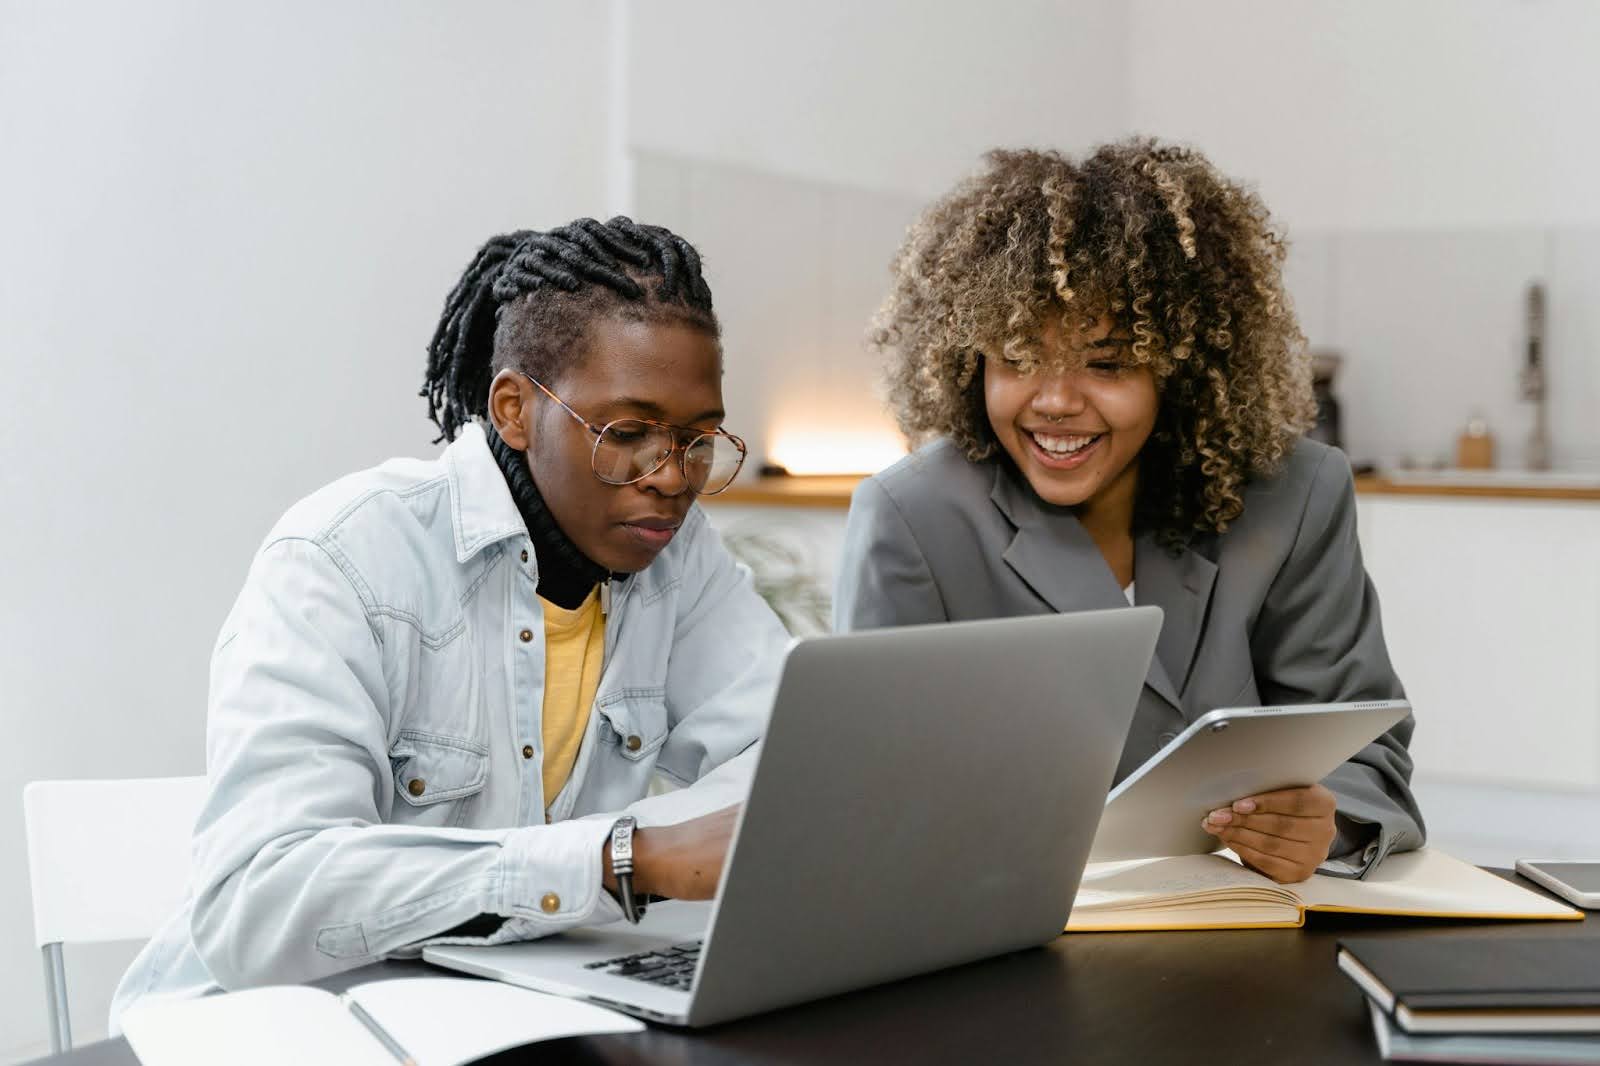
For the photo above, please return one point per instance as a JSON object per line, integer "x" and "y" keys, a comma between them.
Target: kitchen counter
{"x": 1485, "y": 484}
{"x": 834, "y": 491}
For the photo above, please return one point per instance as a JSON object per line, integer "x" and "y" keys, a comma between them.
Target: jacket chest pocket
{"x": 633, "y": 725}
{"x": 435, "y": 777}
{"x": 629, "y": 728}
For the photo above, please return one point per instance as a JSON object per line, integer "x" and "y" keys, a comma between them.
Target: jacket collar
{"x": 482, "y": 511}
{"x": 1055, "y": 555}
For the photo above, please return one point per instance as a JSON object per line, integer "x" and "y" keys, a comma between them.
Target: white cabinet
{"x": 1491, "y": 609}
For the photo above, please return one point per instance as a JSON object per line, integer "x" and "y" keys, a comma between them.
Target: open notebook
{"x": 427, "y": 1021}
{"x": 1216, "y": 892}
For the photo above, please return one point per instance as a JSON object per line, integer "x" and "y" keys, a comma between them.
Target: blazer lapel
{"x": 1053, "y": 553}
{"x": 1181, "y": 586}
{"x": 1056, "y": 557}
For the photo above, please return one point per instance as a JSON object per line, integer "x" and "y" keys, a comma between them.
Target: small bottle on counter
{"x": 1475, "y": 446}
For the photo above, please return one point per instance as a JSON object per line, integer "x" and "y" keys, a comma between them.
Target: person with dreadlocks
{"x": 446, "y": 683}
{"x": 1112, "y": 386}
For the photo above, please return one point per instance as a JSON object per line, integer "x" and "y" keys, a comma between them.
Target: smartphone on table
{"x": 1577, "y": 881}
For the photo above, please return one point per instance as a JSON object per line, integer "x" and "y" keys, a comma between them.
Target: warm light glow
{"x": 820, "y": 448}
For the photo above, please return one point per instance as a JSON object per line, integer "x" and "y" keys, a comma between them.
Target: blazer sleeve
{"x": 1319, "y": 639}
{"x": 883, "y": 578}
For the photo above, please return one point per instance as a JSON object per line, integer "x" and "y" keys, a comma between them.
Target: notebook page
{"x": 1580, "y": 1049}
{"x": 443, "y": 1021}
{"x": 1216, "y": 914}
{"x": 1426, "y": 882}
{"x": 257, "y": 1027}
{"x": 1174, "y": 880}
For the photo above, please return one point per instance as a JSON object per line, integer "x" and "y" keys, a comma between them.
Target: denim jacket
{"x": 374, "y": 740}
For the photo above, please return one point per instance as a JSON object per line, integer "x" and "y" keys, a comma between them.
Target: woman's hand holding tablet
{"x": 1246, "y": 778}
{"x": 1284, "y": 834}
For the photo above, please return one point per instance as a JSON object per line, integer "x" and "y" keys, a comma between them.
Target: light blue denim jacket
{"x": 371, "y": 695}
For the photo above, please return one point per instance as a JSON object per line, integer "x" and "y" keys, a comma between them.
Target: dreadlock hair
{"x": 527, "y": 298}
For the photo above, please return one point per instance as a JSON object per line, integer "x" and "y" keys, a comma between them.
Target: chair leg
{"x": 55, "y": 994}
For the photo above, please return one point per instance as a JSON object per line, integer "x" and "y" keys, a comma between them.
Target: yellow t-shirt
{"x": 574, "y": 647}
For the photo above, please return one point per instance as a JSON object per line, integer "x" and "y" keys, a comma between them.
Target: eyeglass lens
{"x": 628, "y": 450}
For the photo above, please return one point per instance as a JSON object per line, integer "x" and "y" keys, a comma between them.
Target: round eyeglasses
{"x": 631, "y": 449}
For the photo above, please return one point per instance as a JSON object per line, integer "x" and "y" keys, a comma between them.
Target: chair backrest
{"x": 108, "y": 860}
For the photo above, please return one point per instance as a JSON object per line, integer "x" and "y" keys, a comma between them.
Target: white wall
{"x": 1370, "y": 114}
{"x": 1432, "y": 325}
{"x": 798, "y": 268}
{"x": 794, "y": 143}
{"x": 1364, "y": 114}
{"x": 897, "y": 95}
{"x": 229, "y": 230}
{"x": 1430, "y": 159}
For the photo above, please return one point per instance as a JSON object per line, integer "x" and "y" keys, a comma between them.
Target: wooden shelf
{"x": 797, "y": 491}
{"x": 1382, "y": 486}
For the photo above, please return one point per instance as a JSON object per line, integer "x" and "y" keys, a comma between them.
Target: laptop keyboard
{"x": 670, "y": 967}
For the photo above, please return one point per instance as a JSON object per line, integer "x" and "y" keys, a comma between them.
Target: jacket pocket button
{"x": 524, "y": 554}
{"x": 416, "y": 786}
{"x": 550, "y": 903}
{"x": 527, "y": 751}
{"x": 634, "y": 743}
{"x": 525, "y": 636}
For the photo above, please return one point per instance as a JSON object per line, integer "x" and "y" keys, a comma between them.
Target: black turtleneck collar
{"x": 566, "y": 575}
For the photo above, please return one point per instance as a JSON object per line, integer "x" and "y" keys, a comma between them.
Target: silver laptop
{"x": 925, "y": 797}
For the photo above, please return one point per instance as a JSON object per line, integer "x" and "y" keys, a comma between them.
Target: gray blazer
{"x": 1278, "y": 609}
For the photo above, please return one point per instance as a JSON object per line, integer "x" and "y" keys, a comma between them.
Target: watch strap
{"x": 622, "y": 868}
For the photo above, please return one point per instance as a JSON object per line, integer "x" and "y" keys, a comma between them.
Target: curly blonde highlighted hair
{"x": 1184, "y": 260}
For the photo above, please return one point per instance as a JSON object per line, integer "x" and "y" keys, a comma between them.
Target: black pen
{"x": 401, "y": 1055}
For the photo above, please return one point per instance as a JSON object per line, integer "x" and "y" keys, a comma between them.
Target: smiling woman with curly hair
{"x": 1109, "y": 388}
{"x": 1182, "y": 259}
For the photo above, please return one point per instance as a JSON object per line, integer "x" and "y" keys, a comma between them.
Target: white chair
{"x": 107, "y": 860}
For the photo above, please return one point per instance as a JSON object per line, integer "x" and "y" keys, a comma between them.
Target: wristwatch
{"x": 622, "y": 867}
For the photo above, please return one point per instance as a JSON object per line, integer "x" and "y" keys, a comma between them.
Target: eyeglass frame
{"x": 680, "y": 448}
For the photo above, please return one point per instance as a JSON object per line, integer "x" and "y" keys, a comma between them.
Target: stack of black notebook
{"x": 1470, "y": 997}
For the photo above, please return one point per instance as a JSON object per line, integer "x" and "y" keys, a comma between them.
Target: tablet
{"x": 1226, "y": 755}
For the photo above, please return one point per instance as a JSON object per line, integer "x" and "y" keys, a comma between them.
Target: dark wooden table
{"x": 1237, "y": 997}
